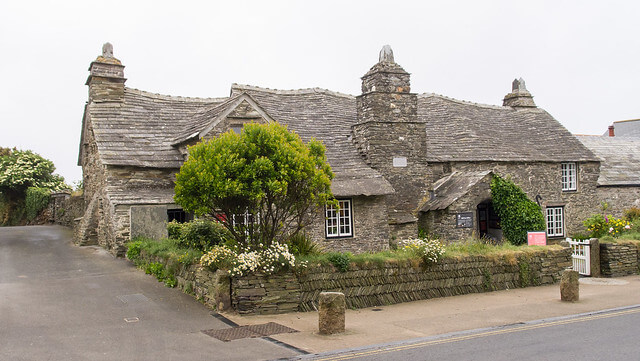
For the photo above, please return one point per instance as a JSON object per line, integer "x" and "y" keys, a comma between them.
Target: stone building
{"x": 402, "y": 160}
{"x": 619, "y": 180}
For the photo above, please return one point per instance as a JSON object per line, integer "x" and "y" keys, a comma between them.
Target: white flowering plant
{"x": 240, "y": 262}
{"x": 430, "y": 250}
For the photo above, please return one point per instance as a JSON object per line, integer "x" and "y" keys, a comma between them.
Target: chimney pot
{"x": 612, "y": 131}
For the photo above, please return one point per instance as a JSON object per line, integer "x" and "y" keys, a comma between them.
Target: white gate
{"x": 581, "y": 256}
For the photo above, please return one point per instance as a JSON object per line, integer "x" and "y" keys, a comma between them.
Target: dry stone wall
{"x": 376, "y": 285}
{"x": 619, "y": 259}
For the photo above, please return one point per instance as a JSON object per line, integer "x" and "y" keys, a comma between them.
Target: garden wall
{"x": 212, "y": 288}
{"x": 619, "y": 259}
{"x": 368, "y": 285}
{"x": 377, "y": 285}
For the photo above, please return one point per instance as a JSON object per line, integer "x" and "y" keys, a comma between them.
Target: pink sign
{"x": 537, "y": 238}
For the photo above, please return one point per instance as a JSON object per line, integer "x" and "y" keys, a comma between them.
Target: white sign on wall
{"x": 399, "y": 161}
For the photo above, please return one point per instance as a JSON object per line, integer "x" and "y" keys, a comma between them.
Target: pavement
{"x": 385, "y": 324}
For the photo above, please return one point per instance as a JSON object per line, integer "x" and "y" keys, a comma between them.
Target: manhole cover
{"x": 236, "y": 333}
{"x": 602, "y": 281}
{"x": 134, "y": 298}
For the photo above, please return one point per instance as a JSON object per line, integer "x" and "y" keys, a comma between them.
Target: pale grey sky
{"x": 578, "y": 58}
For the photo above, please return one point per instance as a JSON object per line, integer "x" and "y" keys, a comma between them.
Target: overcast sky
{"x": 580, "y": 59}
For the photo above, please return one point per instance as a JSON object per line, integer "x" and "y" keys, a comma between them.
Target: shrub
{"x": 632, "y": 214}
{"x": 601, "y": 225}
{"x": 174, "y": 229}
{"x": 301, "y": 245}
{"x": 36, "y": 200}
{"x": 202, "y": 234}
{"x": 263, "y": 169}
{"x": 340, "y": 260}
{"x": 429, "y": 251}
{"x": 518, "y": 214}
{"x": 133, "y": 251}
{"x": 268, "y": 260}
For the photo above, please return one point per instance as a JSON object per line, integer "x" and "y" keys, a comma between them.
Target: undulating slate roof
{"x": 139, "y": 131}
{"x": 326, "y": 116}
{"x": 449, "y": 189}
{"x": 145, "y": 129}
{"x": 463, "y": 131}
{"x": 620, "y": 158}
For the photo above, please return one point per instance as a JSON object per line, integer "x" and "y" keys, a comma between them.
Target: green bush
{"x": 632, "y": 214}
{"x": 201, "y": 234}
{"x": 340, "y": 260}
{"x": 36, "y": 200}
{"x": 174, "y": 229}
{"x": 518, "y": 214}
{"x": 301, "y": 245}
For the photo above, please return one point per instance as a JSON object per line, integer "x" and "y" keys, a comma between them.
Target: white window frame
{"x": 339, "y": 220}
{"x": 569, "y": 176}
{"x": 555, "y": 221}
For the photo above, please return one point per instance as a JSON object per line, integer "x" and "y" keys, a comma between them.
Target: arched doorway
{"x": 488, "y": 222}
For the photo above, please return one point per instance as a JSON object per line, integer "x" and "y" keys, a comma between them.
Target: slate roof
{"x": 326, "y": 116}
{"x": 626, "y": 128}
{"x": 139, "y": 131}
{"x": 464, "y": 131}
{"x": 449, "y": 189}
{"x": 620, "y": 158}
{"x": 145, "y": 128}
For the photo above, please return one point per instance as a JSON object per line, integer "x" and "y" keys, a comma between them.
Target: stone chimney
{"x": 386, "y": 92}
{"x": 390, "y": 137}
{"x": 519, "y": 96}
{"x": 612, "y": 132}
{"x": 106, "y": 77}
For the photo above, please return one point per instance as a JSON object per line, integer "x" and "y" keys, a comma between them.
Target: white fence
{"x": 581, "y": 256}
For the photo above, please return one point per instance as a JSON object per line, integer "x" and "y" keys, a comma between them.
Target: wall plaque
{"x": 537, "y": 238}
{"x": 464, "y": 220}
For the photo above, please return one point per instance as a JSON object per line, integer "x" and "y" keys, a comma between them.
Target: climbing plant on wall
{"x": 518, "y": 214}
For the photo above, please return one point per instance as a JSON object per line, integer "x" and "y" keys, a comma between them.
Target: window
{"x": 178, "y": 215}
{"x": 339, "y": 220}
{"x": 555, "y": 221}
{"x": 569, "y": 177}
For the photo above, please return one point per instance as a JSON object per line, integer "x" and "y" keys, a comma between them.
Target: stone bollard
{"x": 569, "y": 286}
{"x": 331, "y": 312}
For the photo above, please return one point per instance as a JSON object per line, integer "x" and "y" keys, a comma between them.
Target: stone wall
{"x": 619, "y": 259}
{"x": 618, "y": 199}
{"x": 376, "y": 285}
{"x": 370, "y": 227}
{"x": 64, "y": 208}
{"x": 535, "y": 178}
{"x": 212, "y": 288}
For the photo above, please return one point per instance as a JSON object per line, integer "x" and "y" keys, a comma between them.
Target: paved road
{"x": 62, "y": 302}
{"x": 610, "y": 336}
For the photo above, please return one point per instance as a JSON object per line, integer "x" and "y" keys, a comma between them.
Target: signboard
{"x": 537, "y": 238}
{"x": 464, "y": 220}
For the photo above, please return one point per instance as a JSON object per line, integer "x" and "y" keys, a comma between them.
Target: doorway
{"x": 488, "y": 222}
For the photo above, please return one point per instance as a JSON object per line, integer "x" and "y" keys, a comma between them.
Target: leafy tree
{"x": 518, "y": 214}
{"x": 20, "y": 170}
{"x": 261, "y": 184}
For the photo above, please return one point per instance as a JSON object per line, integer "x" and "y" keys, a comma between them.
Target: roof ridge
{"x": 459, "y": 101}
{"x": 291, "y": 91}
{"x": 172, "y": 97}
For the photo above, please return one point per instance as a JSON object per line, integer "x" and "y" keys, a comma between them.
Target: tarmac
{"x": 384, "y": 324}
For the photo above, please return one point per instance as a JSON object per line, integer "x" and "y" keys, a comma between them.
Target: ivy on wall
{"x": 518, "y": 214}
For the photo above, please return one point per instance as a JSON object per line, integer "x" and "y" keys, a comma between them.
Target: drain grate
{"x": 236, "y": 333}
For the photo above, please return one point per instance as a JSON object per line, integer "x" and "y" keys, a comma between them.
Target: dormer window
{"x": 569, "y": 176}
